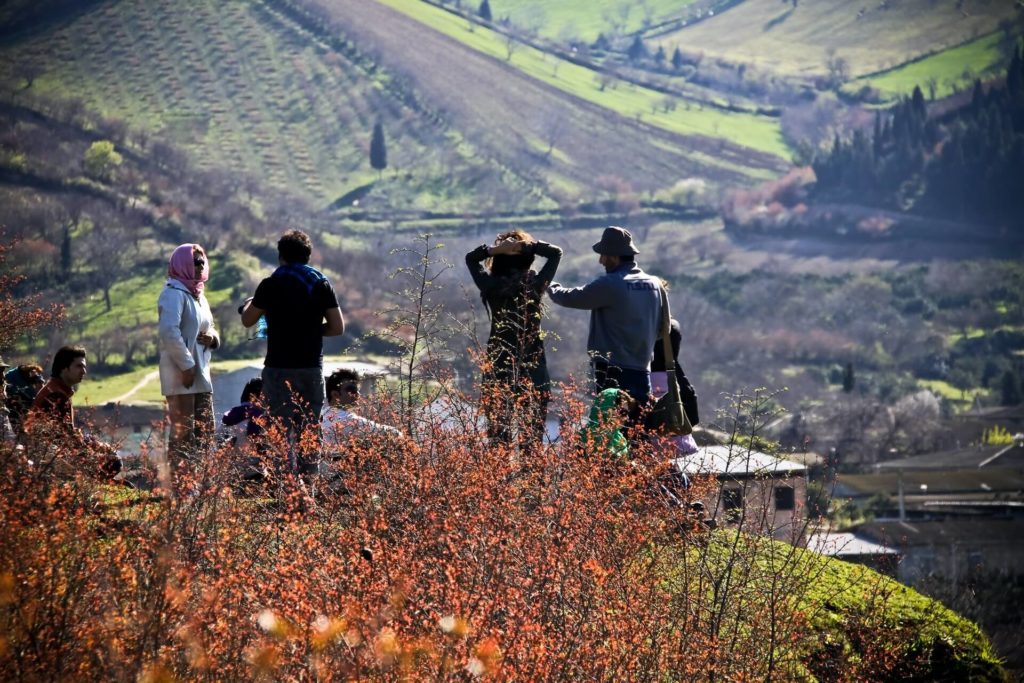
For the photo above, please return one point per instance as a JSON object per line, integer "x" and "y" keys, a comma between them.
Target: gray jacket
{"x": 625, "y": 316}
{"x": 181, "y": 318}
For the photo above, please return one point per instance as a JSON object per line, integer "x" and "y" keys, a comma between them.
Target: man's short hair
{"x": 295, "y": 247}
{"x": 64, "y": 357}
{"x": 340, "y": 377}
{"x": 252, "y": 390}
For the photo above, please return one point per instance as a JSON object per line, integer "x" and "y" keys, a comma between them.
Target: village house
{"x": 755, "y": 491}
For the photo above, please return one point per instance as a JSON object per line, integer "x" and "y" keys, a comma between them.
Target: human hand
{"x": 509, "y": 247}
{"x": 188, "y": 377}
{"x": 205, "y": 339}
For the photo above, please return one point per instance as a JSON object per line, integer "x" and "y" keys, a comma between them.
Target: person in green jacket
{"x": 603, "y": 431}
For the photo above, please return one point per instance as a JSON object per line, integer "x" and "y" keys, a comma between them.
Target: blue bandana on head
{"x": 308, "y": 276}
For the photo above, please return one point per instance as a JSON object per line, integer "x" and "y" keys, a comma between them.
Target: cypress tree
{"x": 677, "y": 59}
{"x": 848, "y": 378}
{"x": 485, "y": 10}
{"x": 637, "y": 50}
{"x": 379, "y": 149}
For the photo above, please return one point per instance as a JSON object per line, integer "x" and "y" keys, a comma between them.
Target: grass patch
{"x": 962, "y": 397}
{"x": 584, "y": 20}
{"x": 759, "y": 133}
{"x": 94, "y": 392}
{"x": 952, "y": 70}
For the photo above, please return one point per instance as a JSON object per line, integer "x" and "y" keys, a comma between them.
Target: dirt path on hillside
{"x": 149, "y": 377}
{"x": 507, "y": 119}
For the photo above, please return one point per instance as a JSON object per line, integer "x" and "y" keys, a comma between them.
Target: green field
{"x": 759, "y": 133}
{"x": 99, "y": 391}
{"x": 584, "y": 20}
{"x": 798, "y": 38}
{"x": 949, "y": 70}
{"x": 962, "y": 398}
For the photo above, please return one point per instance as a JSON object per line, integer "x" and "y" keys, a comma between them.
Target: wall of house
{"x": 760, "y": 510}
{"x": 957, "y": 561}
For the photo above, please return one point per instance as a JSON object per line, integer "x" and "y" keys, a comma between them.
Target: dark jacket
{"x": 687, "y": 394}
{"x": 513, "y": 303}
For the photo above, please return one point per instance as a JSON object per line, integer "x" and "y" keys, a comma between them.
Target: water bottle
{"x": 259, "y": 330}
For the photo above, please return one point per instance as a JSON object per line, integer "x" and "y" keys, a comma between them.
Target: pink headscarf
{"x": 182, "y": 268}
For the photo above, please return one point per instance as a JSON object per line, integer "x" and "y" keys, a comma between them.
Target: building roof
{"x": 973, "y": 457}
{"x": 965, "y": 531}
{"x": 836, "y": 544}
{"x": 928, "y": 484}
{"x": 736, "y": 461}
{"x": 994, "y": 414}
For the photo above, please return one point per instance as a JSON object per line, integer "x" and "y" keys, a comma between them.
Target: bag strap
{"x": 670, "y": 361}
{"x": 666, "y": 346}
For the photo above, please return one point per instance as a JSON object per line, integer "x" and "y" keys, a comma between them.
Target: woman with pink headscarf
{"x": 187, "y": 335}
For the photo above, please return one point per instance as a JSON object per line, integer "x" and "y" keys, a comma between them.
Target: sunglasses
{"x": 351, "y": 388}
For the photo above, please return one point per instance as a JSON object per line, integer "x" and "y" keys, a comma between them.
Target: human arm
{"x": 250, "y": 314}
{"x": 553, "y": 256}
{"x": 209, "y": 337}
{"x": 592, "y": 295}
{"x": 236, "y": 415}
{"x": 475, "y": 263}
{"x": 335, "y": 325}
{"x": 328, "y": 301}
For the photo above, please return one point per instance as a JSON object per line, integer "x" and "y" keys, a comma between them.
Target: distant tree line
{"x": 966, "y": 165}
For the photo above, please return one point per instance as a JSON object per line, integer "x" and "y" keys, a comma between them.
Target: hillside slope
{"x": 794, "y": 38}
{"x": 520, "y": 115}
{"x": 244, "y": 88}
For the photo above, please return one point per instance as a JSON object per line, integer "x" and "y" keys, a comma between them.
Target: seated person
{"x": 339, "y": 423}
{"x": 608, "y": 417}
{"x": 6, "y": 431}
{"x": 52, "y": 416}
{"x": 23, "y": 383}
{"x": 248, "y": 411}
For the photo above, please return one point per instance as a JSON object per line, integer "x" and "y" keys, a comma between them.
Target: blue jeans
{"x": 637, "y": 383}
{"x": 295, "y": 397}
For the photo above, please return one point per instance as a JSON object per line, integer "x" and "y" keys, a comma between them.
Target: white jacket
{"x": 182, "y": 318}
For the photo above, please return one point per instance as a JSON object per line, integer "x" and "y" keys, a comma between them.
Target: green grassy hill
{"x": 941, "y": 74}
{"x": 795, "y": 38}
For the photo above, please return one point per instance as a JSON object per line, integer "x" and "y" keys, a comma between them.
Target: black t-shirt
{"x": 295, "y": 299}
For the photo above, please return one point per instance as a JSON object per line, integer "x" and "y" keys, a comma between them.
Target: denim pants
{"x": 635, "y": 382}
{"x": 295, "y": 397}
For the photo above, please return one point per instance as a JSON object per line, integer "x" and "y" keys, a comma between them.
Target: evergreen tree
{"x": 659, "y": 56}
{"x": 379, "y": 149}
{"x": 1011, "y": 389}
{"x": 848, "y": 378}
{"x": 485, "y": 10}
{"x": 677, "y": 59}
{"x": 637, "y": 50}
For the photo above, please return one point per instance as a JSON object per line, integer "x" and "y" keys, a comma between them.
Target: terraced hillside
{"x": 871, "y": 35}
{"x": 567, "y": 130}
{"x": 247, "y": 89}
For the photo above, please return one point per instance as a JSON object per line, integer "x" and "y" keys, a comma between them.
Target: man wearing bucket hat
{"x": 625, "y": 316}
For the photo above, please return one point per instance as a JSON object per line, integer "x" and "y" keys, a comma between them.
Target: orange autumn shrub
{"x": 442, "y": 557}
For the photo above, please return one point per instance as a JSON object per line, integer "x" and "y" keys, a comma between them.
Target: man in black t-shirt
{"x": 301, "y": 309}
